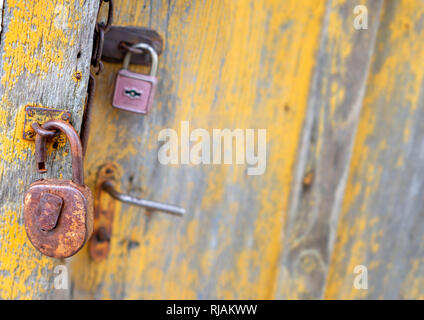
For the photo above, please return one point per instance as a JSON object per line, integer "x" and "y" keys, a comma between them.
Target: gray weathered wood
{"x": 382, "y": 222}
{"x": 226, "y": 64}
{"x": 43, "y": 45}
{"x": 335, "y": 102}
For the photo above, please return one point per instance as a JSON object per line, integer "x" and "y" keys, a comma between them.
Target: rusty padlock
{"x": 134, "y": 91}
{"x": 59, "y": 213}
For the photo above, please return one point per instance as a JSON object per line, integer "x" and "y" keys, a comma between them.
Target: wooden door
{"x": 342, "y": 108}
{"x": 44, "y": 46}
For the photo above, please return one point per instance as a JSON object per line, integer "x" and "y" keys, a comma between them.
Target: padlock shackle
{"x": 74, "y": 142}
{"x": 153, "y": 54}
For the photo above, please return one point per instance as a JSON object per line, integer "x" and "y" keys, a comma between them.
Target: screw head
{"x": 65, "y": 117}
{"x": 29, "y": 134}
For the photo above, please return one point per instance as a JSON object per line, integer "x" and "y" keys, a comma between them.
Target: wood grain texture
{"x": 381, "y": 222}
{"x": 226, "y": 64}
{"x": 43, "y": 44}
{"x": 342, "y": 109}
{"x": 335, "y": 101}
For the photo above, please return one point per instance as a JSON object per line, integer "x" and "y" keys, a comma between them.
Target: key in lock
{"x": 134, "y": 91}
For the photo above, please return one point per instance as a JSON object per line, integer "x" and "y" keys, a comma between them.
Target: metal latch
{"x": 105, "y": 197}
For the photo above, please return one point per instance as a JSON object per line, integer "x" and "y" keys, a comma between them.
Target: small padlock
{"x": 134, "y": 91}
{"x": 59, "y": 213}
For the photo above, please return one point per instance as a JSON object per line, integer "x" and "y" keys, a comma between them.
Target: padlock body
{"x": 134, "y": 91}
{"x": 74, "y": 224}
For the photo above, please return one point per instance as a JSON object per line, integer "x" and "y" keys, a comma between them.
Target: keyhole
{"x": 132, "y": 93}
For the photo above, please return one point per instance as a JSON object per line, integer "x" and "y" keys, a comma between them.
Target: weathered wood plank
{"x": 251, "y": 64}
{"x": 43, "y": 44}
{"x": 227, "y": 64}
{"x": 382, "y": 223}
{"x": 335, "y": 102}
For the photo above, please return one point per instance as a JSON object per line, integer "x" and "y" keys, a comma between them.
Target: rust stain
{"x": 74, "y": 223}
{"x": 59, "y": 213}
{"x": 104, "y": 210}
{"x": 77, "y": 76}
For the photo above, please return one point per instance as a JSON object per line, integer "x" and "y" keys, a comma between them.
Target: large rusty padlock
{"x": 59, "y": 213}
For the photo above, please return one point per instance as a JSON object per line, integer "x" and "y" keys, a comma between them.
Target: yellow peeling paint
{"x": 227, "y": 64}
{"x": 14, "y": 274}
{"x": 230, "y": 64}
{"x": 35, "y": 37}
{"x": 31, "y": 27}
{"x": 361, "y": 237}
{"x": 77, "y": 76}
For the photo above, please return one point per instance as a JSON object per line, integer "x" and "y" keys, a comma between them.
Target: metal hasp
{"x": 106, "y": 194}
{"x": 118, "y": 41}
{"x": 34, "y": 114}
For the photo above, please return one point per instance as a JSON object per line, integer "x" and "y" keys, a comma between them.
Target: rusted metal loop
{"x": 123, "y": 45}
{"x": 42, "y": 132}
{"x": 74, "y": 142}
{"x": 100, "y": 68}
{"x": 106, "y": 26}
{"x": 40, "y": 145}
{"x": 98, "y": 51}
{"x": 101, "y": 29}
{"x": 40, "y": 153}
{"x": 95, "y": 48}
{"x": 101, "y": 41}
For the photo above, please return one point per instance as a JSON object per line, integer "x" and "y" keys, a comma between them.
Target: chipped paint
{"x": 228, "y": 84}
{"x": 36, "y": 40}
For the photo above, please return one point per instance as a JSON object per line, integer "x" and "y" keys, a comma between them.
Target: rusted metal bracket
{"x": 42, "y": 115}
{"x": 118, "y": 39}
{"x": 106, "y": 196}
{"x": 104, "y": 210}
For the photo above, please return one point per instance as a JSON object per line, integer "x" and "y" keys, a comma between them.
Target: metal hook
{"x": 48, "y": 129}
{"x": 151, "y": 205}
{"x": 105, "y": 204}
